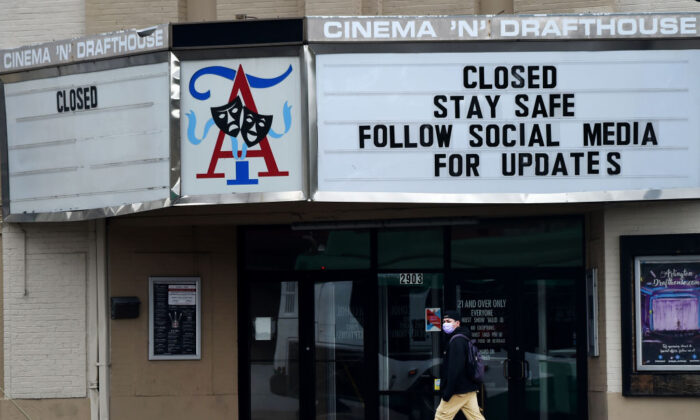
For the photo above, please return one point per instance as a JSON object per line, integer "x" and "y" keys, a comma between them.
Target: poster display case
{"x": 174, "y": 318}
{"x": 667, "y": 293}
{"x": 660, "y": 315}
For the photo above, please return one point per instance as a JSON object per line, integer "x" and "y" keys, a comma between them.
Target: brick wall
{"x": 603, "y": 6}
{"x": 34, "y": 21}
{"x": 333, "y": 7}
{"x": 575, "y": 6}
{"x": 262, "y": 9}
{"x": 45, "y": 317}
{"x": 451, "y": 7}
{"x": 657, "y": 6}
{"x": 113, "y": 15}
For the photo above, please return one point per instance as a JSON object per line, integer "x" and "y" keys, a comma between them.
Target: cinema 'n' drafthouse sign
{"x": 93, "y": 47}
{"x": 503, "y": 27}
{"x": 507, "y": 126}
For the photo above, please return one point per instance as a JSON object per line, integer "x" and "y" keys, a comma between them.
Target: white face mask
{"x": 448, "y": 327}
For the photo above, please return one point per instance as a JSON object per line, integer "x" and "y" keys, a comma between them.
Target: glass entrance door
{"x": 306, "y": 349}
{"x": 526, "y": 329}
{"x": 487, "y": 308}
{"x": 272, "y": 330}
{"x": 409, "y": 344}
{"x": 339, "y": 350}
{"x": 547, "y": 349}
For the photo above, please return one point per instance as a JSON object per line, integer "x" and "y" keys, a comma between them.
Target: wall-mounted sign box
{"x": 174, "y": 318}
{"x": 534, "y": 126}
{"x": 96, "y": 141}
{"x": 660, "y": 315}
{"x": 667, "y": 311}
{"x": 241, "y": 130}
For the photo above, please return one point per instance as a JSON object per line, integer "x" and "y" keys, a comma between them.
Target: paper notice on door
{"x": 182, "y": 294}
{"x": 263, "y": 328}
{"x": 432, "y": 320}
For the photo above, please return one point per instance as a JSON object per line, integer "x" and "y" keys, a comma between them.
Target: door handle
{"x": 525, "y": 368}
{"x": 506, "y": 372}
{"x": 482, "y": 398}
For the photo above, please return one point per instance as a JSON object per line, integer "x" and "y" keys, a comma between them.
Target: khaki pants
{"x": 465, "y": 402}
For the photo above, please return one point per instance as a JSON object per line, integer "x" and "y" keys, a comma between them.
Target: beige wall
{"x": 2, "y": 328}
{"x": 47, "y": 409}
{"x": 620, "y": 407}
{"x": 647, "y": 218}
{"x": 597, "y": 368}
{"x": 206, "y": 388}
{"x": 201, "y": 10}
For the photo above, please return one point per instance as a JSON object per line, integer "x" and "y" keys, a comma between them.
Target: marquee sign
{"x": 508, "y": 127}
{"x": 86, "y": 142}
{"x": 241, "y": 129}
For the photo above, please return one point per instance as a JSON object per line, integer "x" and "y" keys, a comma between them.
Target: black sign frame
{"x": 637, "y": 382}
{"x": 174, "y": 318}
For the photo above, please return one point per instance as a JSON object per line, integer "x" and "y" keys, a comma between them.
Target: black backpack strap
{"x": 459, "y": 335}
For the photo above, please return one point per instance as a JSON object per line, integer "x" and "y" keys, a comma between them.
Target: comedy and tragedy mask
{"x": 234, "y": 118}
{"x": 227, "y": 117}
{"x": 254, "y": 126}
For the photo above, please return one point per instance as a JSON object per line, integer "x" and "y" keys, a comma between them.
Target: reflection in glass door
{"x": 339, "y": 313}
{"x": 274, "y": 351}
{"x": 549, "y": 349}
{"x": 409, "y": 344}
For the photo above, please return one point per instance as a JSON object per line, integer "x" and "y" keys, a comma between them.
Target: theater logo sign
{"x": 240, "y": 126}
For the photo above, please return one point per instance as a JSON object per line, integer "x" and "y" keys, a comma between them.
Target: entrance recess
{"x": 343, "y": 324}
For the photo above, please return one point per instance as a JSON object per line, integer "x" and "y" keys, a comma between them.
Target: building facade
{"x": 255, "y": 219}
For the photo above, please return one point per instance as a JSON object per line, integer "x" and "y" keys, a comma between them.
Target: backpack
{"x": 473, "y": 364}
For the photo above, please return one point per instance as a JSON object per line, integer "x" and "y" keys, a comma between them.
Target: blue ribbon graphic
{"x": 287, "y": 115}
{"x": 192, "y": 125}
{"x": 254, "y": 82}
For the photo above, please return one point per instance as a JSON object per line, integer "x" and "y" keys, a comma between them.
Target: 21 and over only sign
{"x": 509, "y": 127}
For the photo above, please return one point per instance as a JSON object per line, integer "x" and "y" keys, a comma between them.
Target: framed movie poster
{"x": 659, "y": 315}
{"x": 174, "y": 318}
{"x": 667, "y": 310}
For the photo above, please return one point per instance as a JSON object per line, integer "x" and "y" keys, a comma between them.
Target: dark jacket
{"x": 453, "y": 376}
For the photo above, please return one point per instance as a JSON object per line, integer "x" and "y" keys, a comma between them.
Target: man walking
{"x": 458, "y": 391}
